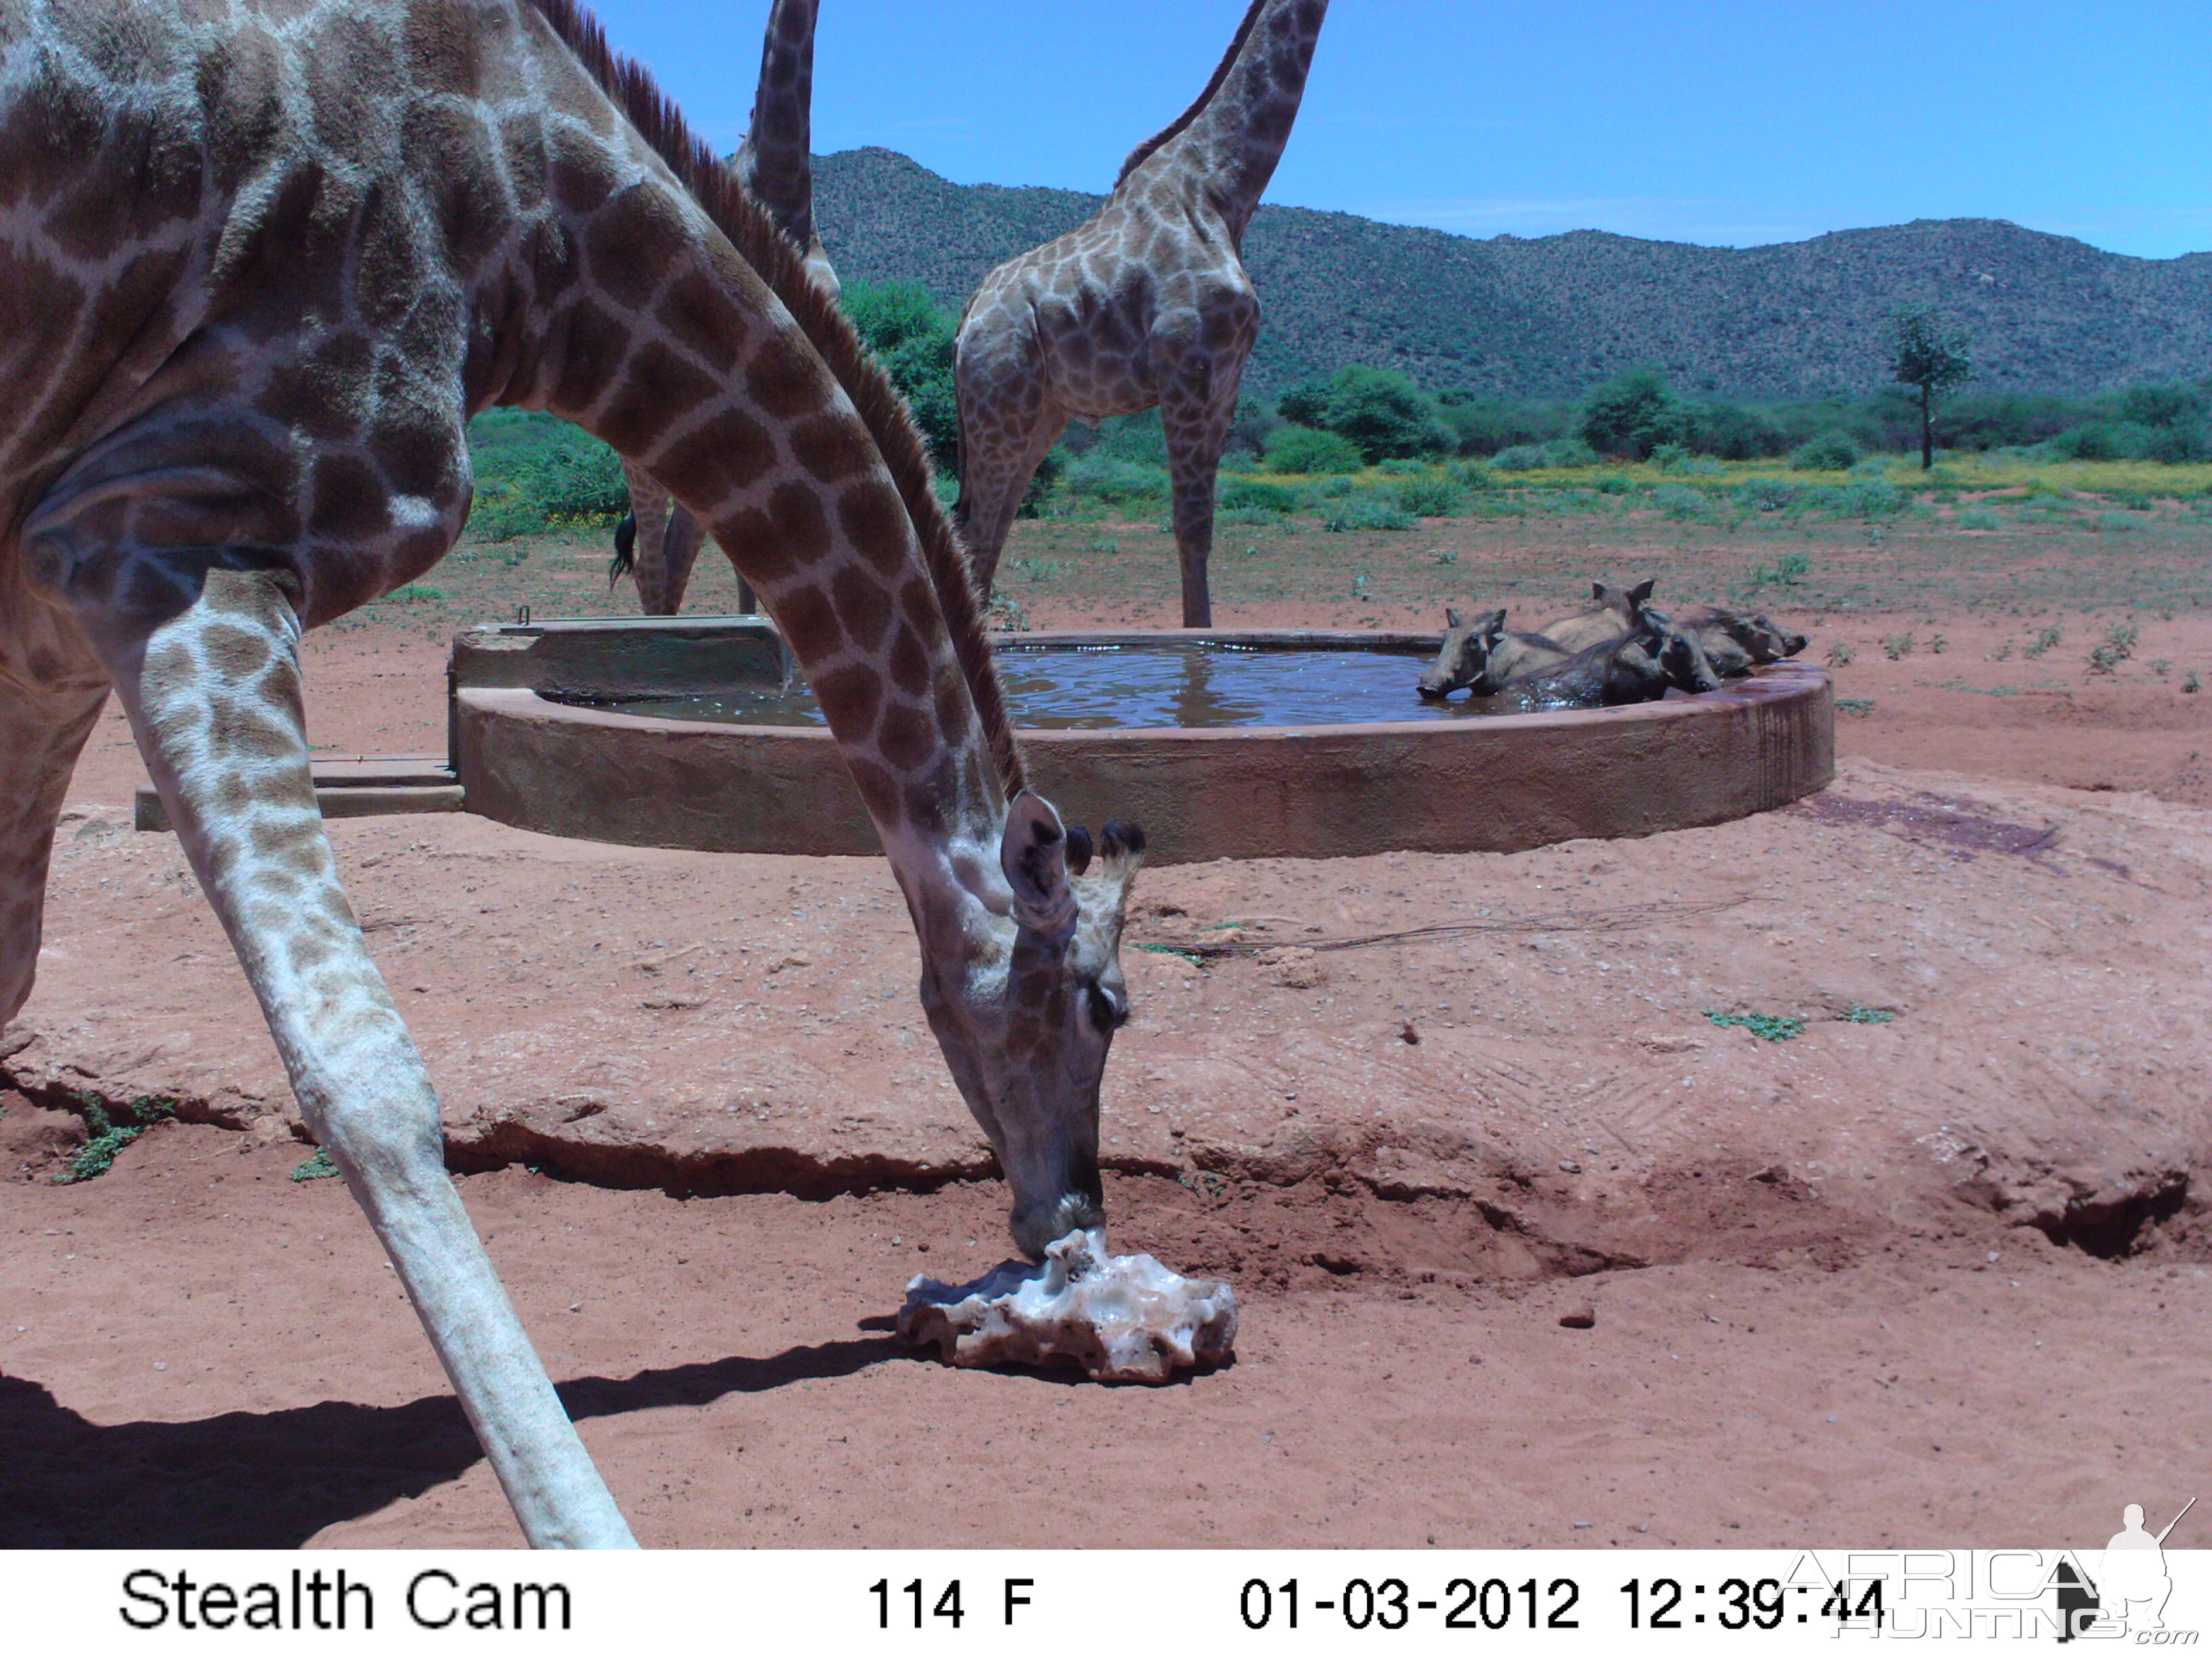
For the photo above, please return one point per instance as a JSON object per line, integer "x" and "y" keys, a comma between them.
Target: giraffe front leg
{"x": 213, "y": 692}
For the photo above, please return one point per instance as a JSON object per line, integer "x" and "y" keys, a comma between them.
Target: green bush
{"x": 1766, "y": 495}
{"x": 912, "y": 335}
{"x": 2184, "y": 441}
{"x": 1833, "y": 451}
{"x": 535, "y": 472}
{"x": 1631, "y": 415}
{"x": 1483, "y": 426}
{"x": 1729, "y": 431}
{"x": 1521, "y": 457}
{"x": 1569, "y": 451}
{"x": 1255, "y": 496}
{"x": 1873, "y": 498}
{"x": 1102, "y": 478}
{"x": 1305, "y": 449}
{"x": 1138, "y": 437}
{"x": 2164, "y": 405}
{"x": 1979, "y": 518}
{"x": 1680, "y": 502}
{"x": 1476, "y": 475}
{"x": 1430, "y": 496}
{"x": 1380, "y": 411}
{"x": 1367, "y": 512}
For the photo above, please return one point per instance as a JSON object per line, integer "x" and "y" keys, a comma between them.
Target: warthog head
{"x": 1769, "y": 641}
{"x": 1464, "y": 659}
{"x": 1681, "y": 660}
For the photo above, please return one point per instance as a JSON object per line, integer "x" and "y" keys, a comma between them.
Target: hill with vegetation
{"x": 1548, "y": 317}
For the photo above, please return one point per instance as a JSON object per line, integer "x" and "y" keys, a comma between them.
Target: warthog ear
{"x": 1033, "y": 854}
{"x": 1494, "y": 623}
{"x": 1451, "y": 619}
{"x": 1597, "y": 592}
{"x": 1079, "y": 849}
{"x": 1641, "y": 591}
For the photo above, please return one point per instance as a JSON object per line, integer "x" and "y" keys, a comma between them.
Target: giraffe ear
{"x": 1033, "y": 854}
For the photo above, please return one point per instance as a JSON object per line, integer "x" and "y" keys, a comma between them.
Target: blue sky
{"x": 1726, "y": 123}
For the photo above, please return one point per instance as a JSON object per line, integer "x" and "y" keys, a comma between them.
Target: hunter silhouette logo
{"x": 2130, "y": 1585}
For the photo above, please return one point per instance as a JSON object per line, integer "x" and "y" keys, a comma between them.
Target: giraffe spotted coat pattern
{"x": 658, "y": 543}
{"x": 258, "y": 264}
{"x": 1146, "y": 304}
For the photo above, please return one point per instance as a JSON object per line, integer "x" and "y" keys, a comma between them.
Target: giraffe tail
{"x": 625, "y": 558}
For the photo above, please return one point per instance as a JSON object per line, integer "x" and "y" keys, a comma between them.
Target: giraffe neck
{"x": 1229, "y": 141}
{"x": 777, "y": 430}
{"x": 775, "y": 162}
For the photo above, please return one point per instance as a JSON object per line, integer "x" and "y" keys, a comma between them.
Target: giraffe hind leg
{"x": 213, "y": 692}
{"x": 645, "y": 556}
{"x": 43, "y": 728}
{"x": 1197, "y": 430}
{"x": 996, "y": 475}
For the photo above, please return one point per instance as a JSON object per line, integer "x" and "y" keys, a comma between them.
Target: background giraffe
{"x": 261, "y": 271}
{"x": 658, "y": 542}
{"x": 1146, "y": 303}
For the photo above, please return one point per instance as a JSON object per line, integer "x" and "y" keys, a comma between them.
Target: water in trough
{"x": 1174, "y": 683}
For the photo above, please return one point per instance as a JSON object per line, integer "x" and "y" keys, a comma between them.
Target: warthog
{"x": 1637, "y": 667}
{"x": 1610, "y": 614}
{"x": 1737, "y": 644}
{"x": 1482, "y": 655}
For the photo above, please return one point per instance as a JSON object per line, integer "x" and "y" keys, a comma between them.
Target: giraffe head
{"x": 1026, "y": 1012}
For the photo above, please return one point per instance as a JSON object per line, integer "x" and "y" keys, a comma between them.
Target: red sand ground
{"x": 1818, "y": 1318}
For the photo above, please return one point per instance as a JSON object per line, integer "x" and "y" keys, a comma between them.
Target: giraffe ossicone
{"x": 1146, "y": 303}
{"x": 261, "y": 271}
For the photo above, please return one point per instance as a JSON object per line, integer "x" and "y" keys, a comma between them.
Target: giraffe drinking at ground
{"x": 258, "y": 266}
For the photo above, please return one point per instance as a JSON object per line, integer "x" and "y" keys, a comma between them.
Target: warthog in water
{"x": 1637, "y": 667}
{"x": 1482, "y": 655}
{"x": 1611, "y": 614}
{"x": 1736, "y": 644}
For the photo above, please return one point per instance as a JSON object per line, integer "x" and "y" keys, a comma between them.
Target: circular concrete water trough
{"x": 1498, "y": 784}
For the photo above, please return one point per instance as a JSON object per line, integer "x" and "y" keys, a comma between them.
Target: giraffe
{"x": 775, "y": 164}
{"x": 1146, "y": 303}
{"x": 262, "y": 263}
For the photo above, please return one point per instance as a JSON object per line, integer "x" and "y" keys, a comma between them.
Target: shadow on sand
{"x": 273, "y": 1480}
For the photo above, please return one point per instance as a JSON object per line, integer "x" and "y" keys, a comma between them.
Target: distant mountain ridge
{"x": 1549, "y": 316}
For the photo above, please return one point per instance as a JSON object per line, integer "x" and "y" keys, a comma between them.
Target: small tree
{"x": 1380, "y": 409}
{"x": 1924, "y": 350}
{"x": 1630, "y": 414}
{"x": 912, "y": 335}
{"x": 1383, "y": 411}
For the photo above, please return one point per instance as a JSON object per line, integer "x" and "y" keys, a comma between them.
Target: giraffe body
{"x": 261, "y": 265}
{"x": 1146, "y": 303}
{"x": 658, "y": 542}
